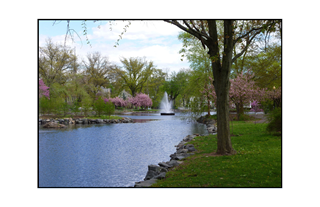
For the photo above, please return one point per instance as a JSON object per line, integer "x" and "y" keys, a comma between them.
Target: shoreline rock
{"x": 210, "y": 124}
{"x": 70, "y": 121}
{"x": 158, "y": 172}
{"x": 53, "y": 125}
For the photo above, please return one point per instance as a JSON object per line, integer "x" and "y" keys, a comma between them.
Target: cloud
{"x": 138, "y": 30}
{"x": 155, "y": 40}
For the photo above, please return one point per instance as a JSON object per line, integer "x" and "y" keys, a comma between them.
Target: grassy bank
{"x": 256, "y": 164}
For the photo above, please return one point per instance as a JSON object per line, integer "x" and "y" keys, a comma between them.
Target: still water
{"x": 109, "y": 155}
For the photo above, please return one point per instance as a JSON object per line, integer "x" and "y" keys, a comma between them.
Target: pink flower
{"x": 43, "y": 89}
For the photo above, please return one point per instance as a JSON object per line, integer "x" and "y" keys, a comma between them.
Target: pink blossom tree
{"x": 255, "y": 107}
{"x": 43, "y": 89}
{"x": 118, "y": 102}
{"x": 243, "y": 90}
{"x": 141, "y": 100}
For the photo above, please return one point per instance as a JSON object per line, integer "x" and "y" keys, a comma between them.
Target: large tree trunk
{"x": 223, "y": 135}
{"x": 221, "y": 83}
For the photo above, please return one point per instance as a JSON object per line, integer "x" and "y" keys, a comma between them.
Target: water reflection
{"x": 144, "y": 120}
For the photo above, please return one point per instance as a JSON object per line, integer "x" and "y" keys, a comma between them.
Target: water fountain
{"x": 166, "y": 106}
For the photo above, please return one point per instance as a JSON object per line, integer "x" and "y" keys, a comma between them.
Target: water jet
{"x": 166, "y": 106}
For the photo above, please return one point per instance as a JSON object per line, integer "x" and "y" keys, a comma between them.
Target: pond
{"x": 109, "y": 155}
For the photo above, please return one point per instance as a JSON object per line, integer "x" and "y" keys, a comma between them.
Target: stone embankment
{"x": 183, "y": 150}
{"x": 210, "y": 123}
{"x": 61, "y": 123}
{"x": 156, "y": 172}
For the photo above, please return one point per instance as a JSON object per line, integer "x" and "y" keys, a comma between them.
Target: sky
{"x": 157, "y": 41}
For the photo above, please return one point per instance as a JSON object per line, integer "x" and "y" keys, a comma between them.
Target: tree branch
{"x": 189, "y": 30}
{"x": 242, "y": 36}
{"x": 245, "y": 49}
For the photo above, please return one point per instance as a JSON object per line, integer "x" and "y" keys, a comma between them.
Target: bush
{"x": 109, "y": 108}
{"x": 99, "y": 106}
{"x": 275, "y": 121}
{"x": 266, "y": 106}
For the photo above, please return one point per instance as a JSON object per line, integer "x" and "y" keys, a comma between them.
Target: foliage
{"x": 43, "y": 90}
{"x": 257, "y": 163}
{"x": 255, "y": 107}
{"x": 54, "y": 61}
{"x": 266, "y": 66}
{"x": 86, "y": 105}
{"x": 200, "y": 64}
{"x": 197, "y": 107}
{"x": 99, "y": 106}
{"x": 109, "y": 108}
{"x": 119, "y": 102}
{"x": 176, "y": 84}
{"x": 242, "y": 91}
{"x": 135, "y": 74}
{"x": 266, "y": 105}
{"x": 153, "y": 86}
{"x": 97, "y": 69}
{"x": 75, "y": 107}
{"x": 44, "y": 105}
{"x": 275, "y": 121}
{"x": 141, "y": 100}
{"x": 64, "y": 107}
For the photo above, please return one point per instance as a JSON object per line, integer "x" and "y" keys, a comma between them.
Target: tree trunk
{"x": 221, "y": 73}
{"x": 223, "y": 134}
{"x": 238, "y": 111}
{"x": 208, "y": 107}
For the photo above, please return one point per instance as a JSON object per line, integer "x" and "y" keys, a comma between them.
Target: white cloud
{"x": 138, "y": 30}
{"x": 155, "y": 40}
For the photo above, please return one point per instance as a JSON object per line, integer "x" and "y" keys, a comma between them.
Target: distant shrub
{"x": 255, "y": 107}
{"x": 109, "y": 108}
{"x": 275, "y": 121}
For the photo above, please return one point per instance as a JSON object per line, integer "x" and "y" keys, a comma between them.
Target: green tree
{"x": 96, "y": 71}
{"x": 200, "y": 64}
{"x": 135, "y": 74}
{"x": 176, "y": 84}
{"x": 99, "y": 106}
{"x": 109, "y": 108}
{"x": 86, "y": 105}
{"x": 234, "y": 32}
{"x": 44, "y": 105}
{"x": 75, "y": 107}
{"x": 54, "y": 61}
{"x": 267, "y": 67}
{"x": 153, "y": 86}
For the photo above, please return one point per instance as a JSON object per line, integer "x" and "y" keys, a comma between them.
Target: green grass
{"x": 256, "y": 164}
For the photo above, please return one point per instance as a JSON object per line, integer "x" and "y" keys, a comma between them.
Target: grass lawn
{"x": 256, "y": 164}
